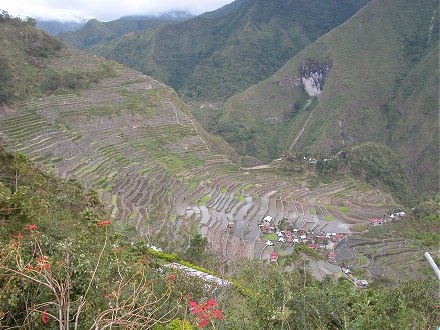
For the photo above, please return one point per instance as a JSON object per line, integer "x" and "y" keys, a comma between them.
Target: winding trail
{"x": 309, "y": 101}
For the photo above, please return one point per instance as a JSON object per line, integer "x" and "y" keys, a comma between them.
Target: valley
{"x": 131, "y": 139}
{"x": 120, "y": 207}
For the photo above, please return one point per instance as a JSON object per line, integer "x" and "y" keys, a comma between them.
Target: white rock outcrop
{"x": 313, "y": 83}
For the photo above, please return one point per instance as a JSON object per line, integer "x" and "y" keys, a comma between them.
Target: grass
{"x": 359, "y": 228}
{"x": 270, "y": 237}
{"x": 144, "y": 171}
{"x": 248, "y": 185}
{"x": 203, "y": 200}
{"x": 312, "y": 211}
{"x": 362, "y": 260}
{"x": 192, "y": 184}
{"x": 241, "y": 198}
{"x": 223, "y": 190}
{"x": 132, "y": 215}
{"x": 344, "y": 209}
{"x": 329, "y": 207}
{"x": 329, "y": 218}
{"x": 231, "y": 169}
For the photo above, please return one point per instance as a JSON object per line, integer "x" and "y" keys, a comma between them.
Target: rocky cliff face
{"x": 310, "y": 77}
{"x": 313, "y": 76}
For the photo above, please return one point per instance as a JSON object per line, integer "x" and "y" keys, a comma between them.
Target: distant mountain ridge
{"x": 95, "y": 32}
{"x": 218, "y": 54}
{"x": 54, "y": 27}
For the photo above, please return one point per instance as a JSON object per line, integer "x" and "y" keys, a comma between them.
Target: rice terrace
{"x": 132, "y": 140}
{"x": 267, "y": 165}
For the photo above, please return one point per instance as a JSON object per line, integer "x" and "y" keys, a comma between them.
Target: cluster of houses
{"x": 357, "y": 282}
{"x": 392, "y": 217}
{"x": 321, "y": 242}
{"x": 294, "y": 236}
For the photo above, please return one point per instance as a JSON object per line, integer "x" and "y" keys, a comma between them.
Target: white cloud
{"x": 103, "y": 10}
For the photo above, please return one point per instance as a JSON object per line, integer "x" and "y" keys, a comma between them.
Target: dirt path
{"x": 259, "y": 167}
{"x": 309, "y": 101}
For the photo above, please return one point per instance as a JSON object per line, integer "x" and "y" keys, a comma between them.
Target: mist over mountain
{"x": 95, "y": 32}
{"x": 56, "y": 27}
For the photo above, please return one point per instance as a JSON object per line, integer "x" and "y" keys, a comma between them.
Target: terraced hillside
{"x": 130, "y": 138}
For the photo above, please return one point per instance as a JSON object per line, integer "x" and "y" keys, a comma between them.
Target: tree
{"x": 197, "y": 248}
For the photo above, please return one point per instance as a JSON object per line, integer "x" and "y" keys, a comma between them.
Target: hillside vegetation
{"x": 95, "y": 32}
{"x": 75, "y": 258}
{"x": 374, "y": 78}
{"x": 218, "y": 54}
{"x": 63, "y": 265}
{"x": 134, "y": 141}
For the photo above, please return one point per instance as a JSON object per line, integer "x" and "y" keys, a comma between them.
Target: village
{"x": 283, "y": 237}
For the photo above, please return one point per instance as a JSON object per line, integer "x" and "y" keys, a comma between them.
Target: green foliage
{"x": 95, "y": 32}
{"x": 423, "y": 230}
{"x": 393, "y": 106}
{"x": 379, "y": 166}
{"x": 215, "y": 57}
{"x": 70, "y": 80}
{"x": 164, "y": 256}
{"x": 203, "y": 200}
{"x": 270, "y": 237}
{"x": 197, "y": 248}
{"x": 178, "y": 324}
{"x": 344, "y": 209}
{"x": 86, "y": 252}
{"x": 26, "y": 55}
{"x": 6, "y": 82}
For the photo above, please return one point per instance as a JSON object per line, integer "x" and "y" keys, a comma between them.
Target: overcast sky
{"x": 103, "y": 10}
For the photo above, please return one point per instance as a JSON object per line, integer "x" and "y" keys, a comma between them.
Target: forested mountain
{"x": 218, "y": 54}
{"x": 95, "y": 32}
{"x": 374, "y": 78}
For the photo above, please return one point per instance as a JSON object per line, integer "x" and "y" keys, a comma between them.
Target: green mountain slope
{"x": 219, "y": 54}
{"x": 96, "y": 32}
{"x": 133, "y": 140}
{"x": 374, "y": 78}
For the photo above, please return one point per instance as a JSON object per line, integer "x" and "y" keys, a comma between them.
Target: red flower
{"x": 30, "y": 227}
{"x": 218, "y": 314}
{"x": 19, "y": 236}
{"x": 104, "y": 223}
{"x": 172, "y": 277}
{"x": 205, "y": 312}
{"x": 43, "y": 263}
{"x": 193, "y": 307}
{"x": 29, "y": 268}
{"x": 202, "y": 323}
{"x": 44, "y": 317}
